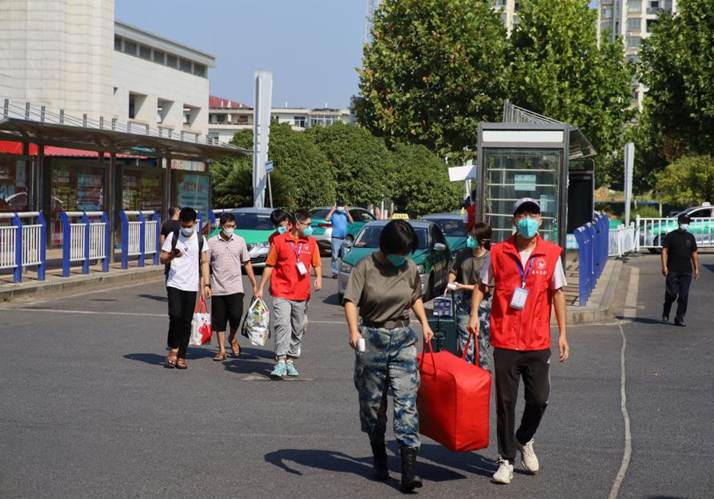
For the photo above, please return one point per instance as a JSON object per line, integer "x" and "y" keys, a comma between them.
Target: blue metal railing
{"x": 593, "y": 241}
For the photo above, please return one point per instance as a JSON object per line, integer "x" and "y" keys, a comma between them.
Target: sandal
{"x": 171, "y": 360}
{"x": 235, "y": 348}
{"x": 220, "y": 356}
{"x": 181, "y": 364}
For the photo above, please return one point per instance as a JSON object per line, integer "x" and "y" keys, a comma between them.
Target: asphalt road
{"x": 87, "y": 410}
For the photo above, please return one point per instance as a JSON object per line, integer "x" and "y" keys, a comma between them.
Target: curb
{"x": 606, "y": 309}
{"x": 85, "y": 282}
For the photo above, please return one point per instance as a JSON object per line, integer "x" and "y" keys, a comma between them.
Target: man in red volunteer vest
{"x": 287, "y": 268}
{"x": 527, "y": 278}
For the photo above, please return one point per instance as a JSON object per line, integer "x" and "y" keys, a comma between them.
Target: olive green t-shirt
{"x": 382, "y": 292}
{"x": 467, "y": 267}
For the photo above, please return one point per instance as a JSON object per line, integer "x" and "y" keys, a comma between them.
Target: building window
{"x": 634, "y": 24}
{"x": 132, "y": 106}
{"x": 159, "y": 56}
{"x": 185, "y": 65}
{"x": 199, "y": 70}
{"x": 633, "y": 42}
{"x": 654, "y": 4}
{"x": 651, "y": 23}
{"x": 300, "y": 121}
{"x": 634, "y": 6}
{"x": 144, "y": 52}
{"x": 117, "y": 43}
{"x": 130, "y": 47}
{"x": 171, "y": 60}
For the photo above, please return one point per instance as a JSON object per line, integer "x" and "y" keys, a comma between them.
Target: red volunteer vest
{"x": 527, "y": 329}
{"x": 286, "y": 282}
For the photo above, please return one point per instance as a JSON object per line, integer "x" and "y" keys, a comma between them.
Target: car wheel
{"x": 655, "y": 251}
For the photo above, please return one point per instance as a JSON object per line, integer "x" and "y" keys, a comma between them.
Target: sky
{"x": 313, "y": 47}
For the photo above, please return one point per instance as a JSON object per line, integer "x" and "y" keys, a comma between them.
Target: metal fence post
{"x": 66, "y": 242}
{"x": 87, "y": 237}
{"x": 124, "y": 240}
{"x": 43, "y": 247}
{"x": 18, "y": 248}
{"x": 142, "y": 238}
{"x": 157, "y": 235}
{"x": 107, "y": 242}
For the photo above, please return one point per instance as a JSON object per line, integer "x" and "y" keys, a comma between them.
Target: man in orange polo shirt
{"x": 527, "y": 278}
{"x": 287, "y": 268}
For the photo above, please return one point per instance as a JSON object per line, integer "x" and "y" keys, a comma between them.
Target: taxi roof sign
{"x": 400, "y": 216}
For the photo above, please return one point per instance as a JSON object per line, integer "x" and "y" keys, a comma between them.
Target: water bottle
{"x": 361, "y": 345}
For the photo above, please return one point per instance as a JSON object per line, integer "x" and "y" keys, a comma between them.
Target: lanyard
{"x": 299, "y": 249}
{"x": 524, "y": 275}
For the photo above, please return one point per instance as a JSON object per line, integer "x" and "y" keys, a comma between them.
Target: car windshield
{"x": 253, "y": 221}
{"x": 319, "y": 212}
{"x": 369, "y": 237}
{"x": 451, "y": 227}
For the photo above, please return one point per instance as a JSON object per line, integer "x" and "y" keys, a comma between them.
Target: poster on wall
{"x": 192, "y": 191}
{"x": 141, "y": 191}
{"x": 79, "y": 188}
{"x": 13, "y": 185}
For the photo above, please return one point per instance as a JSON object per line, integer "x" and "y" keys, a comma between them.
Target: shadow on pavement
{"x": 331, "y": 300}
{"x": 342, "y": 463}
{"x": 469, "y": 462}
{"x": 241, "y": 366}
{"x": 640, "y": 320}
{"x": 154, "y": 297}
{"x": 149, "y": 358}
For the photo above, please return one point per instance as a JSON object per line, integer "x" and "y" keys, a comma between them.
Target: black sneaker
{"x": 679, "y": 322}
{"x": 665, "y": 318}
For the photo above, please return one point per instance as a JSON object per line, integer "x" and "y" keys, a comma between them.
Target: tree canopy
{"x": 689, "y": 180}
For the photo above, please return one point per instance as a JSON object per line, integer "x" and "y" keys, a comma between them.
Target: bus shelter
{"x": 529, "y": 155}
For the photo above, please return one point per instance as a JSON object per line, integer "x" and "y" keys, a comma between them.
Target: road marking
{"x": 631, "y": 306}
{"x": 83, "y": 312}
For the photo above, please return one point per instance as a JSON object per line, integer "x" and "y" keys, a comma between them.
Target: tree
{"x": 687, "y": 181}
{"x": 559, "y": 71}
{"x": 362, "y": 164}
{"x": 434, "y": 69}
{"x": 422, "y": 182}
{"x": 678, "y": 69}
{"x": 301, "y": 178}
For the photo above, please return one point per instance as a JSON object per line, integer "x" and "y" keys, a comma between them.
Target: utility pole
{"x": 261, "y": 133}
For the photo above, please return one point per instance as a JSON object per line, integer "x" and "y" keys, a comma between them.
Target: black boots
{"x": 379, "y": 453}
{"x": 410, "y": 480}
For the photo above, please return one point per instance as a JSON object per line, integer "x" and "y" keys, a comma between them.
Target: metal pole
{"x": 111, "y": 204}
{"x": 261, "y": 133}
{"x": 270, "y": 191}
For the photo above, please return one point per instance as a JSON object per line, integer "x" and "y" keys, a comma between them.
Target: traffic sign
{"x": 268, "y": 166}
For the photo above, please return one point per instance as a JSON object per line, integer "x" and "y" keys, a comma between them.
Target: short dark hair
{"x": 398, "y": 237}
{"x": 174, "y": 210}
{"x": 482, "y": 232}
{"x": 302, "y": 215}
{"x": 278, "y": 216}
{"x": 227, "y": 217}
{"x": 187, "y": 215}
{"x": 340, "y": 202}
{"x": 683, "y": 219}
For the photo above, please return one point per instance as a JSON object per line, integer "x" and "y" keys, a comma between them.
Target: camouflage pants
{"x": 463, "y": 311}
{"x": 388, "y": 363}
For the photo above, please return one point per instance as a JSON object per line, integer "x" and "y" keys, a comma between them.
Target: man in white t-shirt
{"x": 188, "y": 275}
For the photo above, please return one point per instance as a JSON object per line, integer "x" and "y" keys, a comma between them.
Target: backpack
{"x": 174, "y": 241}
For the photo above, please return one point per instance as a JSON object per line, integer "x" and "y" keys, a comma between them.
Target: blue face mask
{"x": 527, "y": 227}
{"x": 307, "y": 231}
{"x": 397, "y": 260}
{"x": 471, "y": 242}
{"x": 282, "y": 229}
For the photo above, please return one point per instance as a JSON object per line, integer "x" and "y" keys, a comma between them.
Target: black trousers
{"x": 677, "y": 288}
{"x": 510, "y": 366}
{"x": 181, "y": 307}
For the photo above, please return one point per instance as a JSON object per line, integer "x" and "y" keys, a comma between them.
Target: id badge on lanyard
{"x": 302, "y": 270}
{"x": 520, "y": 295}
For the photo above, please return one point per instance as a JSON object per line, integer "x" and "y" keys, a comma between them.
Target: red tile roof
{"x": 221, "y": 103}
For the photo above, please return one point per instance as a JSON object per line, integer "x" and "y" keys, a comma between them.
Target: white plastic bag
{"x": 200, "y": 325}
{"x": 256, "y": 326}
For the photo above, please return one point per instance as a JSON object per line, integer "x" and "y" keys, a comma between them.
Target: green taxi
{"x": 253, "y": 225}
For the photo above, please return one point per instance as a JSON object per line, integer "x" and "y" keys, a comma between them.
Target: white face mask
{"x": 186, "y": 231}
{"x": 340, "y": 209}
{"x": 228, "y": 232}
{"x": 684, "y": 226}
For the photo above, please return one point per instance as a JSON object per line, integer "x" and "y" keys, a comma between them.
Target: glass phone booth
{"x": 523, "y": 160}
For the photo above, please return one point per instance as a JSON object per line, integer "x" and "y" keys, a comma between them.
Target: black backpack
{"x": 174, "y": 241}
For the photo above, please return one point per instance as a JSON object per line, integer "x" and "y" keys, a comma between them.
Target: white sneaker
{"x": 528, "y": 457}
{"x": 504, "y": 474}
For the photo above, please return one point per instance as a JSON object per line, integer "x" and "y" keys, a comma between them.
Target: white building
{"x": 227, "y": 117}
{"x": 73, "y": 55}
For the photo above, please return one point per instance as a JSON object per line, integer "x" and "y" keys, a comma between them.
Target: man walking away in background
{"x": 185, "y": 251}
{"x": 679, "y": 258}
{"x": 340, "y": 218}
{"x": 170, "y": 225}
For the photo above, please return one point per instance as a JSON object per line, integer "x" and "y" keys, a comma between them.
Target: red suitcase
{"x": 453, "y": 400}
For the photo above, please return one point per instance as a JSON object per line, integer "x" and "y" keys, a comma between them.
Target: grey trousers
{"x": 288, "y": 324}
